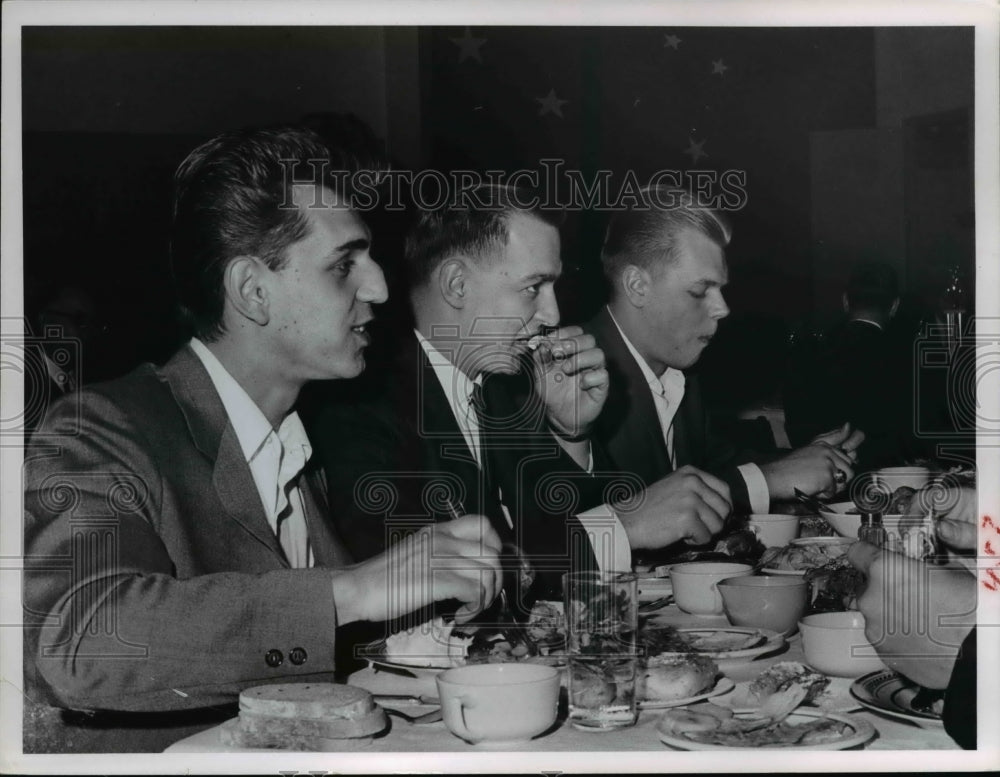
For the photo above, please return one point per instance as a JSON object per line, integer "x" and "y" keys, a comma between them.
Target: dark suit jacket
{"x": 629, "y": 429}
{"x": 959, "y": 714}
{"x": 393, "y": 453}
{"x": 153, "y": 582}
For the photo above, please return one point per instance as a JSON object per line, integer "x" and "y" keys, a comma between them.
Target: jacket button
{"x": 274, "y": 658}
{"x": 297, "y": 656}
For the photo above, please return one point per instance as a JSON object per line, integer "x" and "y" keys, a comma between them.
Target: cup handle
{"x": 457, "y": 705}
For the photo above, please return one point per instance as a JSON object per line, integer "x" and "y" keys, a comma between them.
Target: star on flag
{"x": 550, "y": 104}
{"x": 719, "y": 67}
{"x": 671, "y": 42}
{"x": 468, "y": 47}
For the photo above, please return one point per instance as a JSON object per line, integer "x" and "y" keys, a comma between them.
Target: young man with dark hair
{"x": 178, "y": 548}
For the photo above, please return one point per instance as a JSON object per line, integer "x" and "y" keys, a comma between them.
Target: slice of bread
{"x": 331, "y": 701}
{"x": 232, "y": 735}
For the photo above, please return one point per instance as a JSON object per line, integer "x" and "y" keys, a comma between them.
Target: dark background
{"x": 856, "y": 143}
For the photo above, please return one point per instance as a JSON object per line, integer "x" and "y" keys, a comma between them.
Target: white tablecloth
{"x": 402, "y": 737}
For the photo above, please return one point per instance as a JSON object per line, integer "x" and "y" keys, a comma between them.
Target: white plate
{"x": 772, "y": 641}
{"x": 890, "y": 693}
{"x": 836, "y": 697}
{"x": 860, "y": 731}
{"x": 724, "y": 685}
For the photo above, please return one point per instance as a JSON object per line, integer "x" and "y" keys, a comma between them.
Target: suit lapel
{"x": 215, "y": 437}
{"x": 443, "y": 443}
{"x": 328, "y": 550}
{"x": 629, "y": 424}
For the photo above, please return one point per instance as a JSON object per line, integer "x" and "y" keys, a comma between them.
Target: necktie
{"x": 478, "y": 405}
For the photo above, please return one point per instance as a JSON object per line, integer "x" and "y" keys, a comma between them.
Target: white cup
{"x": 775, "y": 531}
{"x": 499, "y": 703}
{"x": 835, "y": 644}
{"x": 695, "y": 584}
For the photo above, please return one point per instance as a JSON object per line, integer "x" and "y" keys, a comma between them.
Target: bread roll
{"x": 668, "y": 678}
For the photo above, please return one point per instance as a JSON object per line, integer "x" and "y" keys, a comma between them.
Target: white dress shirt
{"x": 604, "y": 530}
{"x": 668, "y": 391}
{"x": 275, "y": 458}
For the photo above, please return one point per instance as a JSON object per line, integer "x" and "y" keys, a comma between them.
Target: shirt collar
{"x": 657, "y": 384}
{"x": 453, "y": 380}
{"x": 251, "y": 426}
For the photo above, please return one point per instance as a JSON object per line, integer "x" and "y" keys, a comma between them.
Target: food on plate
{"x": 722, "y": 713}
{"x": 815, "y": 526}
{"x": 740, "y": 545}
{"x": 683, "y": 721}
{"x": 835, "y": 586}
{"x": 668, "y": 678}
{"x": 658, "y": 639}
{"x": 796, "y": 558}
{"x": 546, "y": 623}
{"x": 430, "y": 644}
{"x": 697, "y": 726}
{"x": 781, "y": 676}
{"x": 900, "y": 501}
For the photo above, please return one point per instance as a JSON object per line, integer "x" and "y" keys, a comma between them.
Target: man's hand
{"x": 572, "y": 381}
{"x": 956, "y": 525}
{"x": 814, "y": 467}
{"x": 845, "y": 438}
{"x": 916, "y": 614}
{"x": 459, "y": 559}
{"x": 688, "y": 505}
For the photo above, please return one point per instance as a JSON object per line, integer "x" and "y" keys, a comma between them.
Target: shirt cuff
{"x": 757, "y": 493}
{"x": 608, "y": 539}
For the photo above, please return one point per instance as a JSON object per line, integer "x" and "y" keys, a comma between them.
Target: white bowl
{"x": 499, "y": 703}
{"x": 890, "y": 478}
{"x": 774, "y": 530}
{"x": 695, "y": 582}
{"x": 835, "y": 644}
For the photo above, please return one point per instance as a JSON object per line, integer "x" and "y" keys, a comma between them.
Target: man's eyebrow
{"x": 539, "y": 277}
{"x": 357, "y": 244}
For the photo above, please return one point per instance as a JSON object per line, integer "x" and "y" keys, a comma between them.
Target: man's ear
{"x": 635, "y": 282}
{"x": 246, "y": 290}
{"x": 452, "y": 277}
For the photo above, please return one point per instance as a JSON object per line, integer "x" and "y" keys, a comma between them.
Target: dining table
{"x": 891, "y": 734}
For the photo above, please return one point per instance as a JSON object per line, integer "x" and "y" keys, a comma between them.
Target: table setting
{"x": 754, "y": 644}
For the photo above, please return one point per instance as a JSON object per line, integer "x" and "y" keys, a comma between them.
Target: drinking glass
{"x": 601, "y": 628}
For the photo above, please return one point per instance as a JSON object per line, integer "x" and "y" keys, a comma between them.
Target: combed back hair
{"x": 872, "y": 285}
{"x": 476, "y": 226}
{"x": 647, "y": 236}
{"x": 233, "y": 197}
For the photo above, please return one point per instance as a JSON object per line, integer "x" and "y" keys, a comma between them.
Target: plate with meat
{"x": 889, "y": 693}
{"x": 830, "y": 694}
{"x": 706, "y": 727}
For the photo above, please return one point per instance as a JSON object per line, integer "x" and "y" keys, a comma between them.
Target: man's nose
{"x": 548, "y": 308}
{"x": 373, "y": 288}
{"x": 720, "y": 309}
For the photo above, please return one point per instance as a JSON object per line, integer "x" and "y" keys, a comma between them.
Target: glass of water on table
{"x": 602, "y": 650}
